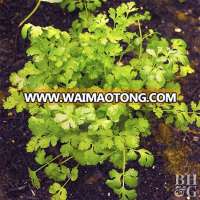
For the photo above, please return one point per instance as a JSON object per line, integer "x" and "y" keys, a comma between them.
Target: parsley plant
{"x": 91, "y": 55}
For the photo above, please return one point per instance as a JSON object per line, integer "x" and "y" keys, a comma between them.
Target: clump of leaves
{"x": 88, "y": 5}
{"x": 91, "y": 55}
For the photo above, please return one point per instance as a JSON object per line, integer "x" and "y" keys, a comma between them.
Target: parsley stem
{"x": 148, "y": 35}
{"x": 64, "y": 161}
{"x": 43, "y": 166}
{"x": 66, "y": 182}
{"x": 141, "y": 37}
{"x": 31, "y": 13}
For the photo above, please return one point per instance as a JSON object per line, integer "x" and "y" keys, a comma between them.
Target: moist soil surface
{"x": 170, "y": 18}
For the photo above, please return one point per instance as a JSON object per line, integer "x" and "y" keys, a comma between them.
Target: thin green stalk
{"x": 69, "y": 178}
{"x": 66, "y": 182}
{"x": 66, "y": 160}
{"x": 148, "y": 36}
{"x": 32, "y": 13}
{"x": 141, "y": 37}
{"x": 43, "y": 166}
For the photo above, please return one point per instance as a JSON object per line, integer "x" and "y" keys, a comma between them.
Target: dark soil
{"x": 156, "y": 183}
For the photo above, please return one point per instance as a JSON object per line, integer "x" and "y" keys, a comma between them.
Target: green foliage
{"x": 90, "y": 5}
{"x": 121, "y": 182}
{"x": 58, "y": 192}
{"x": 179, "y": 114}
{"x": 91, "y": 55}
{"x": 34, "y": 179}
{"x": 74, "y": 174}
{"x": 146, "y": 158}
{"x": 56, "y": 172}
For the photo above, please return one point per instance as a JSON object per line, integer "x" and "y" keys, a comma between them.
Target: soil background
{"x": 169, "y": 17}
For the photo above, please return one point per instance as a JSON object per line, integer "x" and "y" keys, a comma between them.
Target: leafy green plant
{"x": 91, "y": 55}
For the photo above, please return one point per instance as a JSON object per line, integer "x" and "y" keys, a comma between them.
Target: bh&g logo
{"x": 186, "y": 185}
